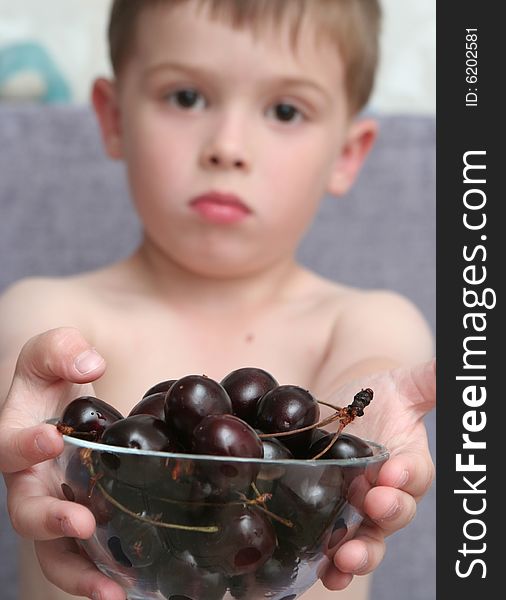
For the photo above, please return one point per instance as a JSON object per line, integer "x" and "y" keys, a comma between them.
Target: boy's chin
{"x": 233, "y": 259}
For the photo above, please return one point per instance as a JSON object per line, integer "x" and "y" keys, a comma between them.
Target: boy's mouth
{"x": 219, "y": 207}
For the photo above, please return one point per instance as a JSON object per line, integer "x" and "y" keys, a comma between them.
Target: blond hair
{"x": 352, "y": 25}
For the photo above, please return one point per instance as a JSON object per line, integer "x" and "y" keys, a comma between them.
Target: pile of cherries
{"x": 195, "y": 528}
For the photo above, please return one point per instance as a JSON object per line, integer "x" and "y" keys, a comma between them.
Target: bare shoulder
{"x": 383, "y": 323}
{"x": 373, "y": 302}
{"x": 371, "y": 329}
{"x": 356, "y": 309}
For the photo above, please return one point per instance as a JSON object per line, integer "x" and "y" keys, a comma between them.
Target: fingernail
{"x": 43, "y": 445}
{"x": 392, "y": 511}
{"x": 67, "y": 528}
{"x": 403, "y": 479}
{"x": 88, "y": 361}
{"x": 363, "y": 562}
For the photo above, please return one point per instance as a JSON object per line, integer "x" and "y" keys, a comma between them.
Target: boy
{"x": 233, "y": 119}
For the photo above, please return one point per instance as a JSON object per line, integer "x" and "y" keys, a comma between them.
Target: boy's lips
{"x": 219, "y": 207}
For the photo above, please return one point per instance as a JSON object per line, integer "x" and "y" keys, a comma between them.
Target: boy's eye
{"x": 187, "y": 99}
{"x": 286, "y": 113}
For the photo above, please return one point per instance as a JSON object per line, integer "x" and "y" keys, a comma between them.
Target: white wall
{"x": 73, "y": 32}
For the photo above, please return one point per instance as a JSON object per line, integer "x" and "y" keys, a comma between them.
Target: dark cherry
{"x": 138, "y": 543}
{"x": 131, "y": 541}
{"x": 79, "y": 486}
{"x": 312, "y": 500}
{"x": 162, "y": 386}
{"x": 227, "y": 435}
{"x": 286, "y": 408}
{"x": 317, "y": 434}
{"x": 273, "y": 450}
{"x": 153, "y": 404}
{"x": 246, "y": 386}
{"x": 142, "y": 432}
{"x": 183, "y": 486}
{"x": 279, "y": 572}
{"x": 181, "y": 578}
{"x": 346, "y": 446}
{"x": 192, "y": 398}
{"x": 281, "y": 569}
{"x": 245, "y": 540}
{"x": 182, "y": 541}
{"x": 89, "y": 415}
{"x": 115, "y": 548}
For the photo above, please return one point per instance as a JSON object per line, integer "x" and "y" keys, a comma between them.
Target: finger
{"x": 411, "y": 472}
{"x": 334, "y": 580}
{"x": 47, "y": 518}
{"x": 64, "y": 566}
{"x": 46, "y": 361}
{"x": 389, "y": 508}
{"x": 60, "y": 353}
{"x": 363, "y": 553}
{"x": 23, "y": 448}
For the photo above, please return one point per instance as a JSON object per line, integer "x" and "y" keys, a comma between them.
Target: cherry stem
{"x": 336, "y": 408}
{"x": 345, "y": 415}
{"x": 330, "y": 444}
{"x": 86, "y": 457}
{"x": 330, "y": 419}
{"x": 68, "y": 430}
{"x": 355, "y": 409}
{"x": 260, "y": 502}
{"x": 156, "y": 523}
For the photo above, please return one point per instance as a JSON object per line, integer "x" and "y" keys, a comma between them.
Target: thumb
{"x": 57, "y": 354}
{"x": 47, "y": 367}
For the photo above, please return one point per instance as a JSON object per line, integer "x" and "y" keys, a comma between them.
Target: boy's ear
{"x": 105, "y": 102}
{"x": 359, "y": 141}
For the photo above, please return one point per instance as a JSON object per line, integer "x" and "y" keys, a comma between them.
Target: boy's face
{"x": 230, "y": 140}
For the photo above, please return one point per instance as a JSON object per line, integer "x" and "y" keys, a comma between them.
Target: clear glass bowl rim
{"x": 381, "y": 453}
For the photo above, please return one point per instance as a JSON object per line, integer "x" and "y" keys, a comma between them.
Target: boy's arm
{"x": 396, "y": 334}
{"x": 392, "y": 359}
{"x": 34, "y": 378}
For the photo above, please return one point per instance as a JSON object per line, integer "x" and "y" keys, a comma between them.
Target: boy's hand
{"x": 51, "y": 369}
{"x": 402, "y": 397}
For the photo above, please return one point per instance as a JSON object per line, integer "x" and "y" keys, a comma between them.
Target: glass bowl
{"x": 194, "y": 527}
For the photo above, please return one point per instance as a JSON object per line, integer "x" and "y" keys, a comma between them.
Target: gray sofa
{"x": 64, "y": 208}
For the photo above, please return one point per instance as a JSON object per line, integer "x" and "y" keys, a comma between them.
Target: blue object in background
{"x": 33, "y": 59}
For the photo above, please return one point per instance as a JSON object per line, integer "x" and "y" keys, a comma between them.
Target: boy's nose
{"x": 226, "y": 150}
{"x": 218, "y": 159}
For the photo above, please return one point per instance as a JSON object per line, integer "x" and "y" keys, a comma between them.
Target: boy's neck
{"x": 181, "y": 287}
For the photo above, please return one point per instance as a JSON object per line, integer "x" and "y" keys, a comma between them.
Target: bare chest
{"x": 143, "y": 351}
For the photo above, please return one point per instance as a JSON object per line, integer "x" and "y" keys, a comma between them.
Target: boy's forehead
{"x": 189, "y": 29}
